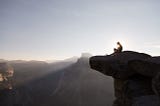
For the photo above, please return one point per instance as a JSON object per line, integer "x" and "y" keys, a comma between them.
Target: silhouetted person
{"x": 119, "y": 48}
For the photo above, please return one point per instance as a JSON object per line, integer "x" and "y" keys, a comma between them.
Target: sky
{"x": 59, "y": 29}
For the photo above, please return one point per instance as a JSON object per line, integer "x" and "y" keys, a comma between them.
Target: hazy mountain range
{"x": 62, "y": 83}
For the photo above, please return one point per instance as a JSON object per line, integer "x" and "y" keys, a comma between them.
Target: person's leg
{"x": 115, "y": 50}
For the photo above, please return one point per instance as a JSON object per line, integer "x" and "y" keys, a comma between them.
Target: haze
{"x": 58, "y": 29}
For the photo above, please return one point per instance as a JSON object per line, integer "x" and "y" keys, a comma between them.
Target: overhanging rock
{"x": 136, "y": 77}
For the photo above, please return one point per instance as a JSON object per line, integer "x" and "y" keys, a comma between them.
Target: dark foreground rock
{"x": 136, "y": 77}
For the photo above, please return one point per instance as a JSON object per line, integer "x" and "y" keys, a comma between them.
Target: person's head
{"x": 118, "y": 43}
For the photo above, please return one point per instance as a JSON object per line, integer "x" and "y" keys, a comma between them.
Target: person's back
{"x": 119, "y": 48}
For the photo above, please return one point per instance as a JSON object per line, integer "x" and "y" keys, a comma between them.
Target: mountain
{"x": 43, "y": 85}
{"x": 71, "y": 59}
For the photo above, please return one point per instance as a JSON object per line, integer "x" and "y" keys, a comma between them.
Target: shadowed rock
{"x": 116, "y": 65}
{"x": 148, "y": 67}
{"x": 136, "y": 77}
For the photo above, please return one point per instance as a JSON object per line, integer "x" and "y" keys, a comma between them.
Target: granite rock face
{"x": 136, "y": 77}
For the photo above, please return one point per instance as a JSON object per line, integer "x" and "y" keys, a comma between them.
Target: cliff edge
{"x": 136, "y": 77}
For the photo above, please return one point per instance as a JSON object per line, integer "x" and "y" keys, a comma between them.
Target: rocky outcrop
{"x": 136, "y": 77}
{"x": 149, "y": 67}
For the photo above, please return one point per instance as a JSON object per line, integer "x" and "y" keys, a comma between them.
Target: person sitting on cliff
{"x": 119, "y": 48}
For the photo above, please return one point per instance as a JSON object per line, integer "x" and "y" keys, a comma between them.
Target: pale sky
{"x": 58, "y": 29}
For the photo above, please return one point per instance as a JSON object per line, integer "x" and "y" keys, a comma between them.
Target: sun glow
{"x": 125, "y": 42}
